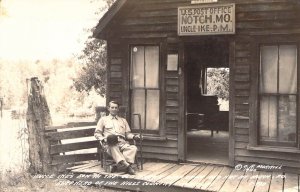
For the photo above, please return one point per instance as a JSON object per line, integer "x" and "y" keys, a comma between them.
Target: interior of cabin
{"x": 207, "y": 101}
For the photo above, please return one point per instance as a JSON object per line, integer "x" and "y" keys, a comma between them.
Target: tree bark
{"x": 37, "y": 117}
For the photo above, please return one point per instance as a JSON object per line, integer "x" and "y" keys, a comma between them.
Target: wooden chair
{"x": 106, "y": 160}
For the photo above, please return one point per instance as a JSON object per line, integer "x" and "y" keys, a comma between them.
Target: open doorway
{"x": 207, "y": 101}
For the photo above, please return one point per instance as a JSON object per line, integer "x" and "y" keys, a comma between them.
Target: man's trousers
{"x": 123, "y": 151}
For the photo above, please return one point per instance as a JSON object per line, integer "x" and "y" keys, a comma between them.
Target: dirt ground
{"x": 25, "y": 183}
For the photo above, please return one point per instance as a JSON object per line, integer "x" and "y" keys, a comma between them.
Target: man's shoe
{"x": 123, "y": 163}
{"x": 113, "y": 169}
{"x": 130, "y": 170}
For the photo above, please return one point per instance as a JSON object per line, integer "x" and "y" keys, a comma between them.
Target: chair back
{"x": 100, "y": 112}
{"x": 123, "y": 111}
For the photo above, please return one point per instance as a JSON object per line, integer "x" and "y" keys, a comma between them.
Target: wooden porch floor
{"x": 157, "y": 176}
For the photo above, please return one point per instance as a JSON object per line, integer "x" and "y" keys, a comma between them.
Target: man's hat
{"x": 112, "y": 140}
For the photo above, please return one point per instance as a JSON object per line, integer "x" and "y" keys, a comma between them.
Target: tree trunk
{"x": 37, "y": 117}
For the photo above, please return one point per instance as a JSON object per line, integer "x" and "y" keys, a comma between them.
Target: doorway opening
{"x": 207, "y": 101}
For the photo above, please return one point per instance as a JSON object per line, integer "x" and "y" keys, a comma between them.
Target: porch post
{"x": 231, "y": 102}
{"x": 182, "y": 104}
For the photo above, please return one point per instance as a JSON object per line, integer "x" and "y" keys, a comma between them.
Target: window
{"x": 145, "y": 93}
{"x": 278, "y": 95}
{"x": 217, "y": 83}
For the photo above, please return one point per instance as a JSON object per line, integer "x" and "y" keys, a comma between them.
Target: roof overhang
{"x": 107, "y": 17}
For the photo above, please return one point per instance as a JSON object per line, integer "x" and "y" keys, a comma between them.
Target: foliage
{"x": 57, "y": 77}
{"x": 218, "y": 82}
{"x": 93, "y": 72}
{"x": 93, "y": 59}
{"x": 108, "y": 3}
{"x": 3, "y": 11}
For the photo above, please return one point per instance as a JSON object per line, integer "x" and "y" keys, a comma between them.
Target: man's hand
{"x": 103, "y": 143}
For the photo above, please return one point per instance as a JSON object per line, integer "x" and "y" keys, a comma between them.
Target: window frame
{"x": 254, "y": 139}
{"x": 160, "y": 88}
{"x": 277, "y": 95}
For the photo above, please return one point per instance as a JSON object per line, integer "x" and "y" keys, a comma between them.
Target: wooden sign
{"x": 206, "y": 20}
{"x": 203, "y": 1}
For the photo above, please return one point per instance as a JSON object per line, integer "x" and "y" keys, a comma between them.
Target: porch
{"x": 158, "y": 176}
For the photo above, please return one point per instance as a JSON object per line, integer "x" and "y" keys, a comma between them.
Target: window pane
{"x": 288, "y": 69}
{"x": 137, "y": 68}
{"x": 138, "y": 106}
{"x": 268, "y": 69}
{"x": 152, "y": 122}
{"x": 287, "y": 118}
{"x": 152, "y": 66}
{"x": 268, "y": 118}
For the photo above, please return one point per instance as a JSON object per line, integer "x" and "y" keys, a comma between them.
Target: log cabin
{"x": 160, "y": 55}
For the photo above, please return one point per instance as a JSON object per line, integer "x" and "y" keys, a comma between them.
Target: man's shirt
{"x": 112, "y": 125}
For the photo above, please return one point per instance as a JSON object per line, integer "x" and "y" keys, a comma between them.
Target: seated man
{"x": 112, "y": 131}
